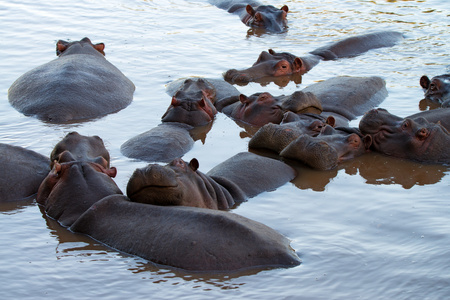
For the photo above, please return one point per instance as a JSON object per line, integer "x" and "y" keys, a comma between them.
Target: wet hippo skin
{"x": 437, "y": 88}
{"x": 79, "y": 85}
{"x": 189, "y": 238}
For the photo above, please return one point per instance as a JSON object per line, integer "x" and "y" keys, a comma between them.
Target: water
{"x": 376, "y": 228}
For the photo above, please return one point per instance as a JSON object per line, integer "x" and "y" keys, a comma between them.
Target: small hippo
{"x": 256, "y": 15}
{"x": 79, "y": 85}
{"x": 22, "y": 171}
{"x": 272, "y": 64}
{"x": 413, "y": 138}
{"x": 80, "y": 176}
{"x": 189, "y": 238}
{"x": 231, "y": 182}
{"x": 437, "y": 89}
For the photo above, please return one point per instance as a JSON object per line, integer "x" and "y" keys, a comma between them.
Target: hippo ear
{"x": 100, "y": 47}
{"x": 250, "y": 10}
{"x": 285, "y": 8}
{"x": 331, "y": 121}
{"x": 193, "y": 164}
{"x": 367, "y": 139}
{"x": 272, "y": 52}
{"x": 111, "y": 172}
{"x": 243, "y": 98}
{"x": 298, "y": 65}
{"x": 424, "y": 82}
{"x": 61, "y": 46}
{"x": 175, "y": 102}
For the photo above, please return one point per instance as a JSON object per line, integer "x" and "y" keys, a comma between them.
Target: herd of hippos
{"x": 174, "y": 214}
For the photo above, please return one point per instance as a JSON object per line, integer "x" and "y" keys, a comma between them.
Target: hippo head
{"x": 72, "y": 187}
{"x": 76, "y": 147}
{"x": 266, "y": 17}
{"x": 192, "y": 104}
{"x": 177, "y": 183}
{"x": 327, "y": 149}
{"x": 84, "y": 46}
{"x": 414, "y": 139}
{"x": 268, "y": 64}
{"x": 258, "y": 109}
{"x": 437, "y": 89}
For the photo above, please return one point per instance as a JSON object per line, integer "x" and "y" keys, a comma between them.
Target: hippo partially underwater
{"x": 271, "y": 64}
{"x": 80, "y": 194}
{"x": 437, "y": 89}
{"x": 79, "y": 85}
{"x": 255, "y": 15}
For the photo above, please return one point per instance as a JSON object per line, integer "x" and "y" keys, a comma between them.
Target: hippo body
{"x": 410, "y": 138}
{"x": 272, "y": 64}
{"x": 437, "y": 89}
{"x": 240, "y": 177}
{"x": 79, "y": 85}
{"x": 256, "y": 15}
{"x": 80, "y": 177}
{"x": 189, "y": 238}
{"x": 22, "y": 171}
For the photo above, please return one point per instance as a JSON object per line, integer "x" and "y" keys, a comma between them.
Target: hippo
{"x": 257, "y": 16}
{"x": 79, "y": 85}
{"x": 233, "y": 181}
{"x": 342, "y": 98}
{"x": 22, "y": 172}
{"x": 271, "y": 64}
{"x": 309, "y": 139}
{"x": 437, "y": 89}
{"x": 80, "y": 176}
{"x": 189, "y": 238}
{"x": 185, "y": 121}
{"x": 412, "y": 138}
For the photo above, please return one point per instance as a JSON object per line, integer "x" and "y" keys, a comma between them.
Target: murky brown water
{"x": 376, "y": 228}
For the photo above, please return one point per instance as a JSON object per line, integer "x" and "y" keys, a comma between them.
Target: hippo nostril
{"x": 422, "y": 133}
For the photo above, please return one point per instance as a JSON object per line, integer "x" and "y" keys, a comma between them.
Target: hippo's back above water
{"x": 80, "y": 84}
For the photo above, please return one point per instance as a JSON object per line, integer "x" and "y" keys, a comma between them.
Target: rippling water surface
{"x": 376, "y": 228}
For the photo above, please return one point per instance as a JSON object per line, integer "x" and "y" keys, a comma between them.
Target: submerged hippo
{"x": 412, "y": 138}
{"x": 80, "y": 177}
{"x": 189, "y": 238}
{"x": 80, "y": 84}
{"x": 233, "y": 181}
{"x": 22, "y": 171}
{"x": 256, "y": 15}
{"x": 188, "y": 118}
{"x": 273, "y": 64}
{"x": 437, "y": 89}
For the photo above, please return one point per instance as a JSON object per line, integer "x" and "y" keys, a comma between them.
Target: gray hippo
{"x": 255, "y": 15}
{"x": 343, "y": 98}
{"x": 272, "y": 64}
{"x": 79, "y": 85}
{"x": 240, "y": 177}
{"x": 188, "y": 118}
{"x": 22, "y": 171}
{"x": 413, "y": 138}
{"x": 437, "y": 89}
{"x": 80, "y": 176}
{"x": 190, "y": 238}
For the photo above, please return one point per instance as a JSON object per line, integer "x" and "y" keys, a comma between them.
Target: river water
{"x": 375, "y": 228}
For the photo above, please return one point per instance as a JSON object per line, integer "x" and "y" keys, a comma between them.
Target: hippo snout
{"x": 235, "y": 76}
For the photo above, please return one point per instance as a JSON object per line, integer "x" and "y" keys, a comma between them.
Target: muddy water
{"x": 374, "y": 228}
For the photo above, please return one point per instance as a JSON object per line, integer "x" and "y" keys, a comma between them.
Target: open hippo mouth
{"x": 154, "y": 184}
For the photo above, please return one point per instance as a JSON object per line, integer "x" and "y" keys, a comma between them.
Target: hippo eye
{"x": 432, "y": 87}
{"x": 405, "y": 125}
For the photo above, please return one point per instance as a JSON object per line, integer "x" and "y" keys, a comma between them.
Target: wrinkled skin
{"x": 22, "y": 171}
{"x": 415, "y": 139}
{"x": 189, "y": 238}
{"x": 192, "y": 104}
{"x": 328, "y": 149}
{"x": 79, "y": 85}
{"x": 274, "y": 64}
{"x": 80, "y": 176}
{"x": 233, "y": 181}
{"x": 437, "y": 89}
{"x": 261, "y": 17}
{"x": 177, "y": 183}
{"x": 262, "y": 108}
